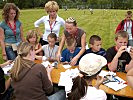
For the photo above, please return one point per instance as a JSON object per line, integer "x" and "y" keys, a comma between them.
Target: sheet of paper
{"x": 66, "y": 66}
{"x": 104, "y": 73}
{"x": 66, "y": 78}
{"x": 45, "y": 63}
{"x": 7, "y": 68}
{"x": 116, "y": 85}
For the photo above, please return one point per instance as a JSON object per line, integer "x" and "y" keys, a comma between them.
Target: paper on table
{"x": 66, "y": 78}
{"x": 66, "y": 66}
{"x": 7, "y": 68}
{"x": 45, "y": 63}
{"x": 104, "y": 73}
{"x": 116, "y": 85}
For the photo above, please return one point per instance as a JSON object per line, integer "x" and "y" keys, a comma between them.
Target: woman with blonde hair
{"x": 11, "y": 31}
{"x": 31, "y": 81}
{"x": 52, "y": 22}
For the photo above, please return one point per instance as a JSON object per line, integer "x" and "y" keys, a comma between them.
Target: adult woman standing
{"x": 31, "y": 81}
{"x": 52, "y": 22}
{"x": 11, "y": 31}
{"x": 71, "y": 30}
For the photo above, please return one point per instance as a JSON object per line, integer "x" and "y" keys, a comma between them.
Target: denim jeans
{"x": 11, "y": 55}
{"x": 60, "y": 95}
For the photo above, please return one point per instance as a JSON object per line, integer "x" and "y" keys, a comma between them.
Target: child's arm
{"x": 38, "y": 57}
{"x": 39, "y": 50}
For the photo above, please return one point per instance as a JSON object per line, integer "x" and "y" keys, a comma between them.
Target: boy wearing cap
{"x": 90, "y": 66}
{"x": 95, "y": 46}
{"x": 70, "y": 52}
{"x": 117, "y": 57}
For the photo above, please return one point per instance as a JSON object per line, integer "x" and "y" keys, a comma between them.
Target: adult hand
{"x": 73, "y": 61}
{"x": 121, "y": 50}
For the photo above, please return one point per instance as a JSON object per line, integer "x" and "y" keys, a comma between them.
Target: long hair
{"x": 23, "y": 50}
{"x": 30, "y": 34}
{"x": 79, "y": 88}
{"x": 6, "y": 10}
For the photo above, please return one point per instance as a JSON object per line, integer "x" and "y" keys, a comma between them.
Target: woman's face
{"x": 52, "y": 13}
{"x": 70, "y": 28}
{"x": 12, "y": 14}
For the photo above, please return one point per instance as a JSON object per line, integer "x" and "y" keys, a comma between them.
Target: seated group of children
{"x": 50, "y": 50}
{"x": 116, "y": 56}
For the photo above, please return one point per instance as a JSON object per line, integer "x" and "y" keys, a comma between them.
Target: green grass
{"x": 102, "y": 23}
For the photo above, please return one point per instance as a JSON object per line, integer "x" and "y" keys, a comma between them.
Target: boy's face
{"x": 121, "y": 42}
{"x": 128, "y": 17}
{"x": 51, "y": 42}
{"x": 71, "y": 48}
{"x": 96, "y": 46}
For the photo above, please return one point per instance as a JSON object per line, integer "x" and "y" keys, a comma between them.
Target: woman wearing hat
{"x": 90, "y": 66}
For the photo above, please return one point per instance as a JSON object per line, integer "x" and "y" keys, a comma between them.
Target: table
{"x": 125, "y": 92}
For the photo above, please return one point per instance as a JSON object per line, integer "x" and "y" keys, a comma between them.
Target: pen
{"x": 116, "y": 79}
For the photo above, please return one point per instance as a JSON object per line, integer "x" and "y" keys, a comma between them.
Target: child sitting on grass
{"x": 50, "y": 49}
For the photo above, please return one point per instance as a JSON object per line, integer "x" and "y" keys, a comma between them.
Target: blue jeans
{"x": 60, "y": 95}
{"x": 11, "y": 55}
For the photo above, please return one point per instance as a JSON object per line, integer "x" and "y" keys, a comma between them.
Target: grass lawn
{"x": 102, "y": 22}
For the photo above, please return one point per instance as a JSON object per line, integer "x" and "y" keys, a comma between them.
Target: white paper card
{"x": 7, "y": 68}
{"x": 66, "y": 66}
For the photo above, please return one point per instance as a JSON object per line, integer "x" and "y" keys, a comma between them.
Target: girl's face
{"x": 33, "y": 40}
{"x": 12, "y": 14}
{"x": 51, "y": 42}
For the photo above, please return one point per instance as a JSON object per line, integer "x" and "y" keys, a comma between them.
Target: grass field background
{"x": 102, "y": 22}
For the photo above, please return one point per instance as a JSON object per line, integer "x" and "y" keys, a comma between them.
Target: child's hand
{"x": 49, "y": 68}
{"x": 99, "y": 81}
{"x": 121, "y": 50}
{"x": 73, "y": 61}
{"x": 131, "y": 52}
{"x": 65, "y": 62}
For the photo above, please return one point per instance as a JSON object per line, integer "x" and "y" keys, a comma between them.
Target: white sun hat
{"x": 91, "y": 63}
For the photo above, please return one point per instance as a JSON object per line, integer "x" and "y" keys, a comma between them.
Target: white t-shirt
{"x": 128, "y": 28}
{"x": 55, "y": 26}
{"x": 48, "y": 52}
{"x": 94, "y": 94}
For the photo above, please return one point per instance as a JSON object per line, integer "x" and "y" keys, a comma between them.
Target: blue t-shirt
{"x": 9, "y": 35}
{"x": 101, "y": 52}
{"x": 67, "y": 56}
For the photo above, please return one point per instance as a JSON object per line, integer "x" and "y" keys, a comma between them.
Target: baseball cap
{"x": 91, "y": 63}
